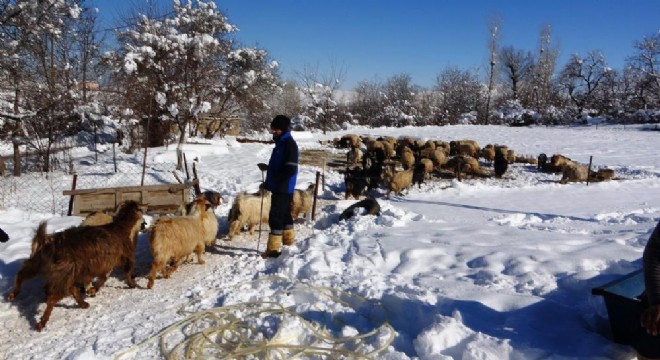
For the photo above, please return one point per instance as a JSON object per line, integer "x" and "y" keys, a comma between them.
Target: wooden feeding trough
{"x": 159, "y": 199}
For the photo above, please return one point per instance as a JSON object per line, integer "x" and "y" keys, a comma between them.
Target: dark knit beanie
{"x": 280, "y": 122}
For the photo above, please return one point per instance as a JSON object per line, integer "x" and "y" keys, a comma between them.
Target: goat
{"x": 210, "y": 222}
{"x": 175, "y": 237}
{"x": 74, "y": 257}
{"x": 302, "y": 201}
{"x": 246, "y": 210}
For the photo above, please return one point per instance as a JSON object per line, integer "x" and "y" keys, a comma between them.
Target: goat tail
{"x": 41, "y": 237}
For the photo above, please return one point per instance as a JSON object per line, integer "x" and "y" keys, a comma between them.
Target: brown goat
{"x": 74, "y": 257}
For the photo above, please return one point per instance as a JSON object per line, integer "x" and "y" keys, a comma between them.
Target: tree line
{"x": 165, "y": 69}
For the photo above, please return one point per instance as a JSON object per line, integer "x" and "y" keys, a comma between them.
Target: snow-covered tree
{"x": 173, "y": 69}
{"x": 398, "y": 100}
{"x": 319, "y": 92}
{"x": 460, "y": 92}
{"x": 35, "y": 62}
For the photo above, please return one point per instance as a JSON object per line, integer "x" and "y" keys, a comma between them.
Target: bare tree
{"x": 515, "y": 67}
{"x": 581, "y": 78}
{"x": 494, "y": 27}
{"x": 543, "y": 69}
{"x": 644, "y": 65}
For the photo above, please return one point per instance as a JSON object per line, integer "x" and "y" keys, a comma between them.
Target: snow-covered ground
{"x": 478, "y": 269}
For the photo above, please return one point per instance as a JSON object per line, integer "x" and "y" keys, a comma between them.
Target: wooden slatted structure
{"x": 159, "y": 199}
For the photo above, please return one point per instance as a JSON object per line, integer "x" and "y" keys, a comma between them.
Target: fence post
{"x": 316, "y": 187}
{"x": 73, "y": 187}
{"x": 114, "y": 157}
{"x": 589, "y": 169}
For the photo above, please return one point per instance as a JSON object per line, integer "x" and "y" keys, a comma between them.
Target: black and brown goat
{"x": 73, "y": 257}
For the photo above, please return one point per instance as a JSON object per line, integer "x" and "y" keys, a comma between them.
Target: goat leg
{"x": 78, "y": 297}
{"x": 51, "y": 300}
{"x": 93, "y": 289}
{"x": 129, "y": 266}
{"x": 28, "y": 270}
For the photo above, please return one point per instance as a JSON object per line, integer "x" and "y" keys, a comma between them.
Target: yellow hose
{"x": 233, "y": 331}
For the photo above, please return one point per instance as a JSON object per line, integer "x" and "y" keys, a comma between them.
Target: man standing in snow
{"x": 282, "y": 171}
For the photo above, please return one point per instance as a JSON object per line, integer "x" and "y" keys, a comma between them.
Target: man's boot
{"x": 273, "y": 247}
{"x": 288, "y": 237}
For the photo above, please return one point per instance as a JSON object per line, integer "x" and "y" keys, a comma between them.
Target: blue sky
{"x": 377, "y": 39}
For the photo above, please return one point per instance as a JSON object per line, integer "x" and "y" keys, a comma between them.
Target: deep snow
{"x": 478, "y": 269}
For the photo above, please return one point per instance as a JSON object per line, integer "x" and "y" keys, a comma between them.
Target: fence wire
{"x": 43, "y": 192}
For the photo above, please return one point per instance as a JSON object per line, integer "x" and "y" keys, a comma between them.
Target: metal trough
{"x": 624, "y": 305}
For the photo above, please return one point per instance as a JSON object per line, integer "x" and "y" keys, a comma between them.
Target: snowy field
{"x": 480, "y": 269}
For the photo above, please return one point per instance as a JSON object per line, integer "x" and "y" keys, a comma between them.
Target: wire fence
{"x": 43, "y": 192}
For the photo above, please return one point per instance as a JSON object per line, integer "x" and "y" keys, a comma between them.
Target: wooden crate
{"x": 159, "y": 199}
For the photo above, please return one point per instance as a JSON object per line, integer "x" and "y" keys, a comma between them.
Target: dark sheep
{"x": 369, "y": 204}
{"x": 500, "y": 164}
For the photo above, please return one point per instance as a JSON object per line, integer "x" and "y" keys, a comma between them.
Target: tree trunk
{"x": 17, "y": 158}
{"x": 179, "y": 146}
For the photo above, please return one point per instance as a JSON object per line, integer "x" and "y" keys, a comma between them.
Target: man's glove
{"x": 262, "y": 166}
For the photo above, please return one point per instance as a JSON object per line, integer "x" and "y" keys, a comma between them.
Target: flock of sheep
{"x": 398, "y": 163}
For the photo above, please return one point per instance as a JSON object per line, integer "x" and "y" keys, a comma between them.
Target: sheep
{"x": 464, "y": 164}
{"x": 542, "y": 161}
{"x": 488, "y": 153}
{"x": 557, "y": 163}
{"x": 407, "y": 159}
{"x": 369, "y": 204}
{"x": 175, "y": 237}
{"x": 573, "y": 172}
{"x": 302, "y": 201}
{"x": 500, "y": 164}
{"x": 439, "y": 157}
{"x": 397, "y": 181}
{"x": 355, "y": 182}
{"x": 246, "y": 210}
{"x": 511, "y": 156}
{"x": 354, "y": 157}
{"x": 350, "y": 141}
{"x": 464, "y": 147}
{"x": 419, "y": 173}
{"x": 602, "y": 175}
